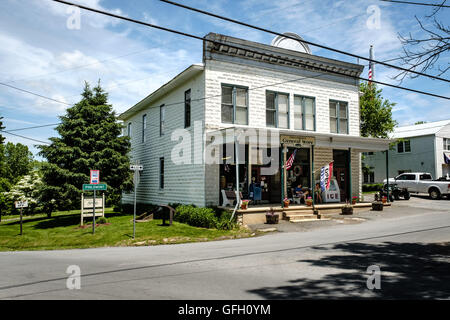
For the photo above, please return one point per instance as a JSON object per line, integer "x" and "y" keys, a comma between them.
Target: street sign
{"x": 136, "y": 167}
{"x": 95, "y": 177}
{"x": 92, "y": 187}
{"x": 21, "y": 204}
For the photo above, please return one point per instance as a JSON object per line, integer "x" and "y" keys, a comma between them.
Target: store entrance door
{"x": 340, "y": 172}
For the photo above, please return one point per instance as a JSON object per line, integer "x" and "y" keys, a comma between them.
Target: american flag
{"x": 291, "y": 160}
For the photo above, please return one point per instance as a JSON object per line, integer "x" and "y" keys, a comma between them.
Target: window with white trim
{"x": 404, "y": 146}
{"x": 446, "y": 144}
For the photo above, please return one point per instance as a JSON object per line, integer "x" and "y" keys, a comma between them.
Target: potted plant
{"x": 354, "y": 199}
{"x": 286, "y": 202}
{"x": 244, "y": 204}
{"x": 272, "y": 217}
{"x": 377, "y": 206}
{"x": 347, "y": 209}
{"x": 309, "y": 201}
{"x": 384, "y": 199}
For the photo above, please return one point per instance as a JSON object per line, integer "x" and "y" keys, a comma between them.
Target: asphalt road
{"x": 409, "y": 242}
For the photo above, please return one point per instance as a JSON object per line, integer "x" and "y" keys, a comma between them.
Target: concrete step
{"x": 299, "y": 215}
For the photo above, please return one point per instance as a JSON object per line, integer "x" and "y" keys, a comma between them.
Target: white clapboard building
{"x": 183, "y": 135}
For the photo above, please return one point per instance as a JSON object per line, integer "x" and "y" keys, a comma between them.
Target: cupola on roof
{"x": 291, "y": 44}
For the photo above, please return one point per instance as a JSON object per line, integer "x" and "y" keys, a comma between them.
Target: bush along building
{"x": 421, "y": 148}
{"x": 244, "y": 113}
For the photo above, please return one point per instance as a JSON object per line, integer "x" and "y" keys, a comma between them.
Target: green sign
{"x": 92, "y": 187}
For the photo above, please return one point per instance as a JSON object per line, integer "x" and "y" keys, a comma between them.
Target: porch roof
{"x": 326, "y": 140}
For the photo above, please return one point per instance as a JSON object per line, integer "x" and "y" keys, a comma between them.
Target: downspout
{"x": 387, "y": 174}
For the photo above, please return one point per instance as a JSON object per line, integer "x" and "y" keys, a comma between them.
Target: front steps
{"x": 300, "y": 215}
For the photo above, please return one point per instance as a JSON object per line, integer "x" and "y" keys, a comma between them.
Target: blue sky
{"x": 40, "y": 54}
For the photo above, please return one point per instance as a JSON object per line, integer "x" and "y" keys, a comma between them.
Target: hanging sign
{"x": 297, "y": 141}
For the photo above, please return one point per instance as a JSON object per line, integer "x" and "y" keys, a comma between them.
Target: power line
{"x": 35, "y": 127}
{"x": 418, "y": 3}
{"x": 33, "y": 93}
{"x": 80, "y": 66}
{"x": 290, "y": 37}
{"x": 227, "y": 44}
{"x": 28, "y": 138}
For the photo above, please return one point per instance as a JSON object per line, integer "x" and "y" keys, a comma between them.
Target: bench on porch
{"x": 229, "y": 196}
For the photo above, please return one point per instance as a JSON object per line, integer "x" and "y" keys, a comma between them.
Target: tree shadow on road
{"x": 408, "y": 271}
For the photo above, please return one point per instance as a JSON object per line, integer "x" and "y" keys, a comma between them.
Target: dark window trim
{"x": 144, "y": 127}
{"x": 161, "y": 120}
{"x": 303, "y": 111}
{"x": 161, "y": 173}
{"x": 129, "y": 129}
{"x": 276, "y": 93}
{"x": 187, "y": 108}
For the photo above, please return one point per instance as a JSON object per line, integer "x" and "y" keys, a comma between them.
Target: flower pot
{"x": 272, "y": 218}
{"x": 244, "y": 206}
{"x": 347, "y": 210}
{"x": 384, "y": 200}
{"x": 309, "y": 203}
{"x": 377, "y": 206}
{"x": 286, "y": 204}
{"x": 354, "y": 201}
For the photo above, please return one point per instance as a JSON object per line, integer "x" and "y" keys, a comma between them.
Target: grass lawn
{"x": 63, "y": 231}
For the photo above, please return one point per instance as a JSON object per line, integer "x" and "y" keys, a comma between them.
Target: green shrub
{"x": 101, "y": 220}
{"x": 372, "y": 187}
{"x": 210, "y": 217}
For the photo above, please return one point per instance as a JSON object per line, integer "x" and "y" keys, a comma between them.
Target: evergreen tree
{"x": 375, "y": 112}
{"x": 90, "y": 138}
{"x": 2, "y": 138}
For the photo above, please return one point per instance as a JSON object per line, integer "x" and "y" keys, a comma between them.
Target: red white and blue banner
{"x": 291, "y": 159}
{"x": 447, "y": 158}
{"x": 325, "y": 176}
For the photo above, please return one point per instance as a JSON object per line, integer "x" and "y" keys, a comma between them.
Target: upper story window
{"x": 338, "y": 117}
{"x": 447, "y": 144}
{"x": 304, "y": 113}
{"x": 234, "y": 105}
{"x": 404, "y": 146}
{"x": 187, "y": 108}
{"x": 277, "y": 110}
{"x": 162, "y": 119}
{"x": 129, "y": 129}
{"x": 144, "y": 126}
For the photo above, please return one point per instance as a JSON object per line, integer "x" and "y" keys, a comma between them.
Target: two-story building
{"x": 254, "y": 104}
{"x": 420, "y": 148}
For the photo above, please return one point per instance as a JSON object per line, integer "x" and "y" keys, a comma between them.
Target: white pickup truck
{"x": 421, "y": 182}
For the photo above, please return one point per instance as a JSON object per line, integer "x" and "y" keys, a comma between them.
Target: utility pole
{"x": 136, "y": 168}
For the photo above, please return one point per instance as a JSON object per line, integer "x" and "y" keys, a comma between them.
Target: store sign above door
{"x": 296, "y": 141}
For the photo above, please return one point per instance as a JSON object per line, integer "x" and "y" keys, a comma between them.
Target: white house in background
{"x": 422, "y": 148}
{"x": 249, "y": 86}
